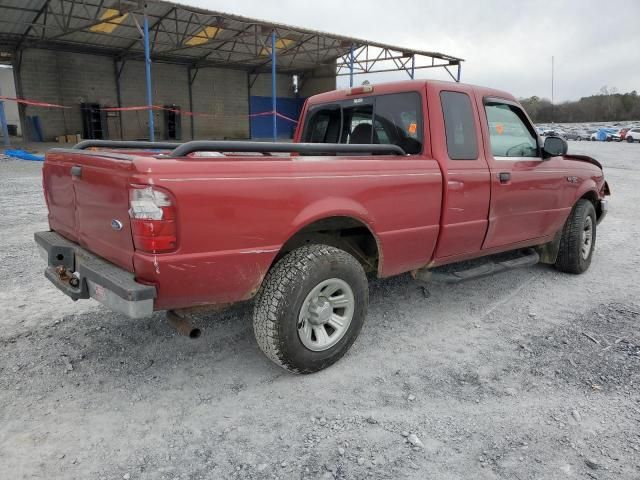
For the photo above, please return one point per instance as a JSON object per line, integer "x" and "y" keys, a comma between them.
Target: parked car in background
{"x": 603, "y": 134}
{"x": 554, "y": 133}
{"x": 619, "y": 135}
{"x": 577, "y": 134}
{"x": 633, "y": 135}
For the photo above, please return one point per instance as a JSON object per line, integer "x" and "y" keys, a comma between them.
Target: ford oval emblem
{"x": 116, "y": 224}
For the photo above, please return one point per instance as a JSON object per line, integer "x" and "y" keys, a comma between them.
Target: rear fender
{"x": 335, "y": 207}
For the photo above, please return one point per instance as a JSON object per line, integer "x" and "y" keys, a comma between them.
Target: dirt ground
{"x": 530, "y": 374}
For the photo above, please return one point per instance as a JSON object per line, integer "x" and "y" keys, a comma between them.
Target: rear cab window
{"x": 394, "y": 119}
{"x": 460, "y": 129}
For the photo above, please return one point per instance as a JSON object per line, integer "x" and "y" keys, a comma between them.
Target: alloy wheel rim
{"x": 326, "y": 314}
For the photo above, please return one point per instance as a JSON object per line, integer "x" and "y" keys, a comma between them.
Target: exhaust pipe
{"x": 182, "y": 325}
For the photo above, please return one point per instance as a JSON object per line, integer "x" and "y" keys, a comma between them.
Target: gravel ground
{"x": 529, "y": 374}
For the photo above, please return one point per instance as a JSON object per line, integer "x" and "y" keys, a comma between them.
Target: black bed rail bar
{"x": 183, "y": 149}
{"x": 283, "y": 147}
{"x": 125, "y": 144}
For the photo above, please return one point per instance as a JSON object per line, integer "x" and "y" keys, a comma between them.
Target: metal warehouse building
{"x": 211, "y": 74}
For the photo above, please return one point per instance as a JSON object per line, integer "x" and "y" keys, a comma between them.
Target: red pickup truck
{"x": 380, "y": 180}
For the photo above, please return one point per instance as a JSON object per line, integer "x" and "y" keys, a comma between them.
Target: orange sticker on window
{"x": 413, "y": 128}
{"x": 500, "y": 129}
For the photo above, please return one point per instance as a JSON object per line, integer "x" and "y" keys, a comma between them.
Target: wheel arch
{"x": 592, "y": 196}
{"x": 346, "y": 231}
{"x": 549, "y": 251}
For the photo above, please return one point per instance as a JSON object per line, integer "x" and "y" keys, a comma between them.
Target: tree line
{"x": 606, "y": 106}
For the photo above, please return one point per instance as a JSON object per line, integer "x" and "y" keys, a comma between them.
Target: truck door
{"x": 526, "y": 191}
{"x": 457, "y": 145}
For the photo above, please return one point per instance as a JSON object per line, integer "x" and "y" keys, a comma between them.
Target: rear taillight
{"x": 153, "y": 219}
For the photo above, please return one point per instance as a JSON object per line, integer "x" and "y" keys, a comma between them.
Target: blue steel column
{"x": 413, "y": 66}
{"x": 147, "y": 61}
{"x": 459, "y": 71}
{"x": 351, "y": 66}
{"x": 274, "y": 103}
{"x": 3, "y": 122}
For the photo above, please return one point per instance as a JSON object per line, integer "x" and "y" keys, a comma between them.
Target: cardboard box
{"x": 61, "y": 139}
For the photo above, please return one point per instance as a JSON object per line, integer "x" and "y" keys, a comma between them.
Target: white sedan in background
{"x": 633, "y": 135}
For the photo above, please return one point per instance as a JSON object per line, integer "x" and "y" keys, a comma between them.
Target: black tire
{"x": 570, "y": 256}
{"x": 281, "y": 298}
{"x": 629, "y": 139}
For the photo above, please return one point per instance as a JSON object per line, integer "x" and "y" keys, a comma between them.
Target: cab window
{"x": 323, "y": 124}
{"x": 510, "y": 134}
{"x": 394, "y": 119}
{"x": 398, "y": 121}
{"x": 460, "y": 130}
{"x": 357, "y": 124}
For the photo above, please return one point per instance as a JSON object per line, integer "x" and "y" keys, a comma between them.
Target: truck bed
{"x": 234, "y": 213}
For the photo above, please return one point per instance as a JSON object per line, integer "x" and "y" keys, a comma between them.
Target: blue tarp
{"x": 262, "y": 125}
{"x": 22, "y": 155}
{"x": 602, "y": 133}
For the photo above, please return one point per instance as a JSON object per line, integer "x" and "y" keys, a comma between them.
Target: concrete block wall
{"x": 310, "y": 85}
{"x": 67, "y": 79}
{"x": 72, "y": 78}
{"x": 169, "y": 85}
{"x": 320, "y": 80}
{"x": 262, "y": 85}
{"x": 222, "y": 94}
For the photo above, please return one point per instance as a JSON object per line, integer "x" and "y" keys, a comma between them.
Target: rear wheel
{"x": 310, "y": 308}
{"x": 578, "y": 239}
{"x": 629, "y": 139}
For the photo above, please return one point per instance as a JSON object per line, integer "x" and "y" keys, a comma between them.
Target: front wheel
{"x": 629, "y": 139}
{"x": 310, "y": 308}
{"x": 578, "y": 239}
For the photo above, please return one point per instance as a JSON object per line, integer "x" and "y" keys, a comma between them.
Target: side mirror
{"x": 554, "y": 146}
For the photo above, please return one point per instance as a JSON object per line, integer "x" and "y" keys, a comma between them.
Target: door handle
{"x": 504, "y": 177}
{"x": 76, "y": 171}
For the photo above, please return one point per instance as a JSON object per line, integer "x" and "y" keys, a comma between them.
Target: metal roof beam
{"x": 42, "y": 10}
{"x": 153, "y": 26}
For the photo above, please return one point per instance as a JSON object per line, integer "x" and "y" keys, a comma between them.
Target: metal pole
{"x": 147, "y": 60}
{"x": 273, "y": 85}
{"x": 191, "y": 119}
{"x": 552, "y": 88}
{"x": 249, "y": 102}
{"x": 3, "y": 122}
{"x": 459, "y": 72}
{"x": 351, "y": 66}
{"x": 22, "y": 110}
{"x": 119, "y": 95}
{"x": 413, "y": 66}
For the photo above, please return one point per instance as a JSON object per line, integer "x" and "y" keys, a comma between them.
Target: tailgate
{"x": 88, "y": 199}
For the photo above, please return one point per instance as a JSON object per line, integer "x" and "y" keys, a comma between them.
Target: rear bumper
{"x": 80, "y": 274}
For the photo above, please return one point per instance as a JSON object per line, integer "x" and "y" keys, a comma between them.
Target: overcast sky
{"x": 506, "y": 44}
